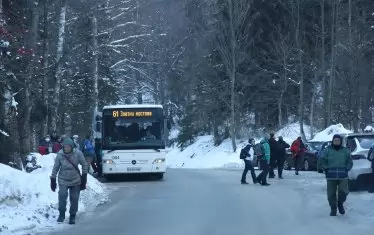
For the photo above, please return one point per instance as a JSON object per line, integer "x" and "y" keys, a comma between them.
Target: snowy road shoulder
{"x": 27, "y": 202}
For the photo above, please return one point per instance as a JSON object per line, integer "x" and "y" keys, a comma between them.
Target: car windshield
{"x": 315, "y": 145}
{"x": 366, "y": 142}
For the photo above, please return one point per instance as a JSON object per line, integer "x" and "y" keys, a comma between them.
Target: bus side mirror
{"x": 98, "y": 127}
{"x": 168, "y": 124}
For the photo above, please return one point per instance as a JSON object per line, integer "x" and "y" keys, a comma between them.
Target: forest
{"x": 221, "y": 67}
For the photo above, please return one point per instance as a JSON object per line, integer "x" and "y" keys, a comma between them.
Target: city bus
{"x": 133, "y": 139}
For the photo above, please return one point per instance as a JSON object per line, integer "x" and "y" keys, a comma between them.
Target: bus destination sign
{"x": 119, "y": 113}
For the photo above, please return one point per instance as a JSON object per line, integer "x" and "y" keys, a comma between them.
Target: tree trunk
{"x": 333, "y": 67}
{"x": 301, "y": 104}
{"x": 95, "y": 51}
{"x": 45, "y": 68}
{"x": 324, "y": 82}
{"x": 232, "y": 75}
{"x": 59, "y": 71}
{"x": 24, "y": 127}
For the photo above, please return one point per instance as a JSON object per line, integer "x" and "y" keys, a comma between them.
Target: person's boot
{"x": 265, "y": 184}
{"x": 333, "y": 211}
{"x": 61, "y": 217}
{"x": 296, "y": 172}
{"x": 341, "y": 208}
{"x": 72, "y": 219}
{"x": 243, "y": 182}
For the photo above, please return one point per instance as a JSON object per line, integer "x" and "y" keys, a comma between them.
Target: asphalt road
{"x": 210, "y": 202}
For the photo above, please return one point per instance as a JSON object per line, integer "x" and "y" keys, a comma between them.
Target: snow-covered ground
{"x": 27, "y": 202}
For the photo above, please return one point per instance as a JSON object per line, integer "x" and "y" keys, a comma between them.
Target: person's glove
{"x": 53, "y": 184}
{"x": 83, "y": 181}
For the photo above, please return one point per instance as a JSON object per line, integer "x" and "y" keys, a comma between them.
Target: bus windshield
{"x": 132, "y": 132}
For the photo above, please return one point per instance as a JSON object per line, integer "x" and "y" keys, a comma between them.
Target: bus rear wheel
{"x": 159, "y": 176}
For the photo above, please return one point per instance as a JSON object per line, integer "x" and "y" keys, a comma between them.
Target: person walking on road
{"x": 298, "y": 149}
{"x": 336, "y": 162}
{"x": 264, "y": 163}
{"x": 89, "y": 152}
{"x": 70, "y": 181}
{"x": 273, "y": 155}
{"x": 282, "y": 146}
{"x": 247, "y": 154}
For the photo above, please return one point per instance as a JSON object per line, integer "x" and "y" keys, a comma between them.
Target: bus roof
{"x": 133, "y": 106}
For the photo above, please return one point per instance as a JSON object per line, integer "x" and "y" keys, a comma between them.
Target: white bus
{"x": 133, "y": 139}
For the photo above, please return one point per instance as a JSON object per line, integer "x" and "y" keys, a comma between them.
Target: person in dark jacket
{"x": 273, "y": 155}
{"x": 336, "y": 162}
{"x": 371, "y": 158}
{"x": 99, "y": 158}
{"x": 57, "y": 146}
{"x": 282, "y": 146}
{"x": 247, "y": 155}
{"x": 70, "y": 181}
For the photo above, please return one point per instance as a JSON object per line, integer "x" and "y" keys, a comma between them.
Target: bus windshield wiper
{"x": 157, "y": 150}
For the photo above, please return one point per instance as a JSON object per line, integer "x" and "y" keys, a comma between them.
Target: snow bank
{"x": 27, "y": 202}
{"x": 203, "y": 154}
{"x": 329, "y": 132}
{"x": 291, "y": 131}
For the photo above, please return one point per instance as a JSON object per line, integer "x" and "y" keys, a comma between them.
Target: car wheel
{"x": 352, "y": 185}
{"x": 306, "y": 165}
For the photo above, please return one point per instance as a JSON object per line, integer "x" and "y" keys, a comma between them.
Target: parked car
{"x": 359, "y": 145}
{"x": 309, "y": 162}
{"x": 320, "y": 154}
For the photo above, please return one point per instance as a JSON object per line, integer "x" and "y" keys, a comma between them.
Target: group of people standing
{"x": 53, "y": 143}
{"x": 270, "y": 154}
{"x": 336, "y": 162}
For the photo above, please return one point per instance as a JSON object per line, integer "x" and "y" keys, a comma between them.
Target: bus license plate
{"x": 132, "y": 169}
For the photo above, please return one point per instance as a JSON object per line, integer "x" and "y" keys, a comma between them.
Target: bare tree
{"x": 232, "y": 42}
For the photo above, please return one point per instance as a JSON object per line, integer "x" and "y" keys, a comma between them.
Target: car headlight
{"x": 159, "y": 160}
{"x": 108, "y": 162}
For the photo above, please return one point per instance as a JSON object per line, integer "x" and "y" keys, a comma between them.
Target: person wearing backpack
{"x": 247, "y": 154}
{"x": 264, "y": 163}
{"x": 298, "y": 149}
{"x": 336, "y": 162}
{"x": 371, "y": 158}
{"x": 70, "y": 180}
{"x": 89, "y": 152}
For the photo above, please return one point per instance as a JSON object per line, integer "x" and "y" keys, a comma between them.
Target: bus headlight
{"x": 108, "y": 162}
{"x": 159, "y": 160}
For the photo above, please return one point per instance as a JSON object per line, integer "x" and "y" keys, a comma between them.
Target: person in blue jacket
{"x": 88, "y": 150}
{"x": 264, "y": 162}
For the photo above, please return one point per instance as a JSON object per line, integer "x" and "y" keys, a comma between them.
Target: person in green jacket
{"x": 264, "y": 163}
{"x": 336, "y": 162}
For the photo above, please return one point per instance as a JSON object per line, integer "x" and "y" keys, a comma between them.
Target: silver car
{"x": 359, "y": 145}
